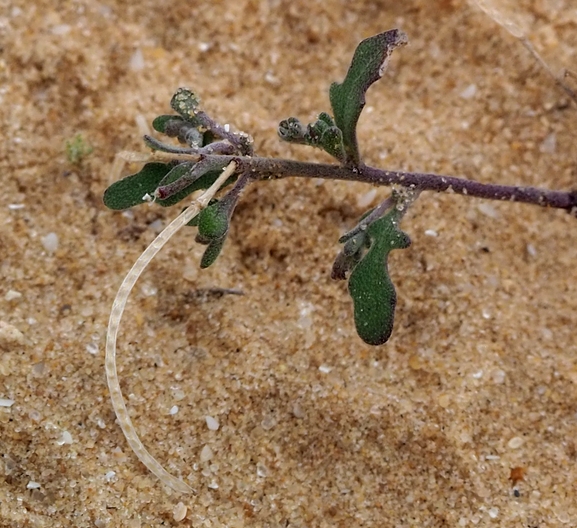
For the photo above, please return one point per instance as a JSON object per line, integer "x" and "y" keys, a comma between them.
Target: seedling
{"x": 77, "y": 149}
{"x": 210, "y": 156}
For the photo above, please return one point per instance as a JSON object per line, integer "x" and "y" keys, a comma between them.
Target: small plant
{"x": 210, "y": 156}
{"x": 77, "y": 149}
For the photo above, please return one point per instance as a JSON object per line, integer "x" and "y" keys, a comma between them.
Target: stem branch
{"x": 276, "y": 168}
{"x": 280, "y": 168}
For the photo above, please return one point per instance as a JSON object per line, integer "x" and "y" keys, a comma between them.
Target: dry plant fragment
{"x": 114, "y": 323}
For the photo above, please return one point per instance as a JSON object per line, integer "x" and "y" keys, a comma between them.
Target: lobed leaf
{"x": 348, "y": 98}
{"x": 370, "y": 286}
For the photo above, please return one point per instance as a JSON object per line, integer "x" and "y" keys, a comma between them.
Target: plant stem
{"x": 277, "y": 168}
{"x": 273, "y": 168}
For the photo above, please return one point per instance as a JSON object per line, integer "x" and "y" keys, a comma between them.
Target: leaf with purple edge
{"x": 348, "y": 98}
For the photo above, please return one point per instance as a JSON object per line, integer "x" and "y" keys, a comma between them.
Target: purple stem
{"x": 275, "y": 168}
{"x": 280, "y": 168}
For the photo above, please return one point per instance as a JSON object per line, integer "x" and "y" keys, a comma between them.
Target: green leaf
{"x": 185, "y": 103}
{"x": 195, "y": 219}
{"x": 370, "y": 286}
{"x": 130, "y": 191}
{"x": 332, "y": 142}
{"x": 164, "y": 122}
{"x": 326, "y": 118}
{"x": 213, "y": 222}
{"x": 292, "y": 130}
{"x": 348, "y": 98}
{"x": 212, "y": 252}
{"x": 322, "y": 134}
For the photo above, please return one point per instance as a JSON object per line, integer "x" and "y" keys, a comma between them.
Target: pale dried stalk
{"x": 114, "y": 323}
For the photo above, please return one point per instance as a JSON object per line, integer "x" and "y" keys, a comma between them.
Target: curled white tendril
{"x": 114, "y": 323}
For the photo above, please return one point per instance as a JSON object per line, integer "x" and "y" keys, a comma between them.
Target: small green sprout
{"x": 77, "y": 149}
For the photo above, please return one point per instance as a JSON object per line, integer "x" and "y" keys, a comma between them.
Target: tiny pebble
{"x": 261, "y": 470}
{"x": 173, "y": 409}
{"x": 444, "y": 400}
{"x": 157, "y": 226}
{"x": 137, "y": 60}
{"x": 498, "y": 376}
{"x": 515, "y": 442}
{"x": 92, "y": 348}
{"x": 32, "y": 485}
{"x": 10, "y": 335}
{"x": 178, "y": 394}
{"x": 65, "y": 438}
{"x": 50, "y": 242}
{"x": 325, "y": 369}
{"x": 563, "y": 517}
{"x": 493, "y": 513}
{"x": 148, "y": 290}
{"x": 12, "y": 295}
{"x": 179, "y": 512}
{"x": 60, "y": 29}
{"x": 212, "y": 423}
{"x": 415, "y": 362}
{"x": 268, "y": 423}
{"x": 488, "y": 210}
{"x": 431, "y": 233}
{"x": 206, "y": 454}
{"x": 110, "y": 475}
{"x": 5, "y": 402}
{"x": 469, "y": 92}
{"x": 549, "y": 144}
{"x": 298, "y": 411}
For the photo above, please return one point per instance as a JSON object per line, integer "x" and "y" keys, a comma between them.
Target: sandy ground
{"x": 467, "y": 417}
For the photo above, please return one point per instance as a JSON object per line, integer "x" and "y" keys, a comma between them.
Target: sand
{"x": 466, "y": 417}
